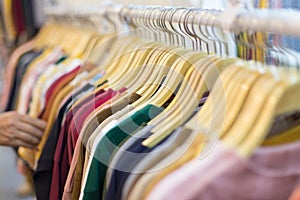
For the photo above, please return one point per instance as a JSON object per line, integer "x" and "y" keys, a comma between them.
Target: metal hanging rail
{"x": 280, "y": 21}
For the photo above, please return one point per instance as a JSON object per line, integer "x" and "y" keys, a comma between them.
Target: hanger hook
{"x": 202, "y": 13}
{"x": 171, "y": 20}
{"x": 208, "y": 35}
{"x": 185, "y": 28}
{"x": 221, "y": 41}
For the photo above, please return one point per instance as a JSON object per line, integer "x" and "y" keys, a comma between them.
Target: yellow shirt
{"x": 284, "y": 138}
{"x": 8, "y": 20}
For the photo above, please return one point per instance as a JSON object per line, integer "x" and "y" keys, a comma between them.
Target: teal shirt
{"x": 108, "y": 144}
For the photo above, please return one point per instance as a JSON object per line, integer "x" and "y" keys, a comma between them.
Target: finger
{"x": 29, "y": 139}
{"x": 29, "y": 129}
{"x": 18, "y": 143}
{"x": 40, "y": 124}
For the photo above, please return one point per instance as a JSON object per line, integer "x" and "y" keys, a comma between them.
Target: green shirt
{"x": 108, "y": 144}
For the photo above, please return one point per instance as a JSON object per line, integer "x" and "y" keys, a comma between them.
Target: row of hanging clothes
{"x": 156, "y": 105}
{"x": 291, "y": 42}
{"x": 248, "y": 52}
{"x": 20, "y": 20}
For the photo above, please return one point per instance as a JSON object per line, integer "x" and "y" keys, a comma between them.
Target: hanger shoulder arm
{"x": 290, "y": 101}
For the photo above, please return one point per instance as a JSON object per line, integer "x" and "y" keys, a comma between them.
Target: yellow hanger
{"x": 117, "y": 54}
{"x": 283, "y": 99}
{"x": 168, "y": 62}
{"x": 41, "y": 37}
{"x": 60, "y": 37}
{"x": 100, "y": 50}
{"x": 137, "y": 75}
{"x": 289, "y": 136}
{"x": 159, "y": 55}
{"x": 217, "y": 97}
{"x": 94, "y": 40}
{"x": 108, "y": 68}
{"x": 174, "y": 78}
{"x": 79, "y": 41}
{"x": 191, "y": 98}
{"x": 199, "y": 90}
{"x": 128, "y": 62}
{"x": 120, "y": 50}
{"x": 47, "y": 36}
{"x": 72, "y": 40}
{"x": 198, "y": 69}
{"x": 152, "y": 57}
{"x": 186, "y": 92}
{"x": 255, "y": 101}
{"x": 214, "y": 109}
{"x": 208, "y": 70}
{"x": 137, "y": 82}
{"x": 220, "y": 114}
{"x": 235, "y": 104}
{"x": 158, "y": 58}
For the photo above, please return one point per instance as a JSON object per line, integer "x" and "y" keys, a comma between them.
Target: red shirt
{"x": 68, "y": 137}
{"x": 18, "y": 16}
{"x": 54, "y": 89}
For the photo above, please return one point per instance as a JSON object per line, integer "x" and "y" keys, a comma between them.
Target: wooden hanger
{"x": 153, "y": 56}
{"x": 221, "y": 119}
{"x": 108, "y": 68}
{"x": 158, "y": 128}
{"x": 170, "y": 118}
{"x": 187, "y": 92}
{"x": 235, "y": 103}
{"x": 219, "y": 98}
{"x": 101, "y": 50}
{"x": 161, "y": 68}
{"x": 288, "y": 136}
{"x": 134, "y": 58}
{"x": 216, "y": 97}
{"x": 114, "y": 66}
{"x": 48, "y": 36}
{"x": 283, "y": 99}
{"x": 123, "y": 76}
{"x": 135, "y": 78}
{"x": 223, "y": 113}
{"x": 195, "y": 71}
{"x": 43, "y": 34}
{"x": 200, "y": 89}
{"x": 94, "y": 40}
{"x": 156, "y": 72}
{"x": 62, "y": 37}
{"x": 126, "y": 63}
{"x": 149, "y": 91}
{"x": 174, "y": 78}
{"x": 250, "y": 116}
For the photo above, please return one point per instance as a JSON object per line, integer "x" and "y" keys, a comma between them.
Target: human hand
{"x": 20, "y": 130}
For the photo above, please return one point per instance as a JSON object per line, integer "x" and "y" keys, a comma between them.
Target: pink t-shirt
{"x": 10, "y": 70}
{"x": 271, "y": 173}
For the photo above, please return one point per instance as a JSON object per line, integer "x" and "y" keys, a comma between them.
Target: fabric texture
{"x": 58, "y": 176}
{"x": 75, "y": 173}
{"x": 268, "y": 168}
{"x": 97, "y": 171}
{"x": 43, "y": 174}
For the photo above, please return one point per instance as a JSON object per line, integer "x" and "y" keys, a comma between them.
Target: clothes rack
{"x": 168, "y": 107}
